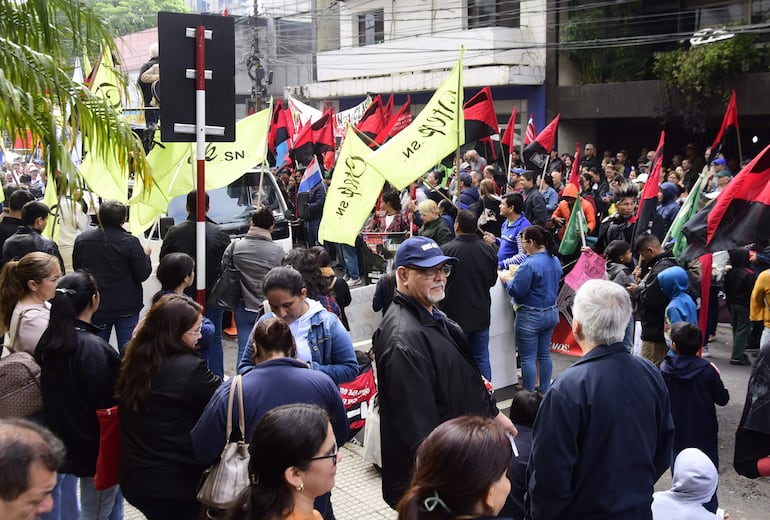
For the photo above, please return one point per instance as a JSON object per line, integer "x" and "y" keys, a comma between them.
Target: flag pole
{"x": 740, "y": 151}
{"x": 457, "y": 129}
{"x": 580, "y": 222}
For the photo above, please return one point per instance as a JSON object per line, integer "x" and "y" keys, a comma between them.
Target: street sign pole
{"x": 200, "y": 141}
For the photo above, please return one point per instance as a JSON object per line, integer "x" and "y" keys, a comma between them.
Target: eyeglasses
{"x": 433, "y": 272}
{"x": 332, "y": 456}
{"x": 196, "y": 332}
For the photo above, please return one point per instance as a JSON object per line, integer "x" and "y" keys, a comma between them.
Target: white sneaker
{"x": 352, "y": 282}
{"x": 346, "y": 277}
{"x": 705, "y": 352}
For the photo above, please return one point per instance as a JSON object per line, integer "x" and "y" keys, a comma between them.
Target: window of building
{"x": 371, "y": 27}
{"x": 493, "y": 13}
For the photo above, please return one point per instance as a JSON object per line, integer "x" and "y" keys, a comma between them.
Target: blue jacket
{"x": 330, "y": 345}
{"x": 602, "y": 438}
{"x": 468, "y": 197}
{"x": 536, "y": 283}
{"x": 681, "y": 307}
{"x": 668, "y": 208}
{"x": 510, "y": 252}
{"x": 695, "y": 387}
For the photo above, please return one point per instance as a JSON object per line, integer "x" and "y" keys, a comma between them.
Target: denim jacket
{"x": 330, "y": 346}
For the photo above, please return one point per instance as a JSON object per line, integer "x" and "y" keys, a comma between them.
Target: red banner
{"x": 562, "y": 340}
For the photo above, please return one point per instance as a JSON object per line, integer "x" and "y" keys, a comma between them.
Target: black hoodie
{"x": 739, "y": 280}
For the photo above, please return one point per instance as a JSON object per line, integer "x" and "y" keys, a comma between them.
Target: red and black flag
{"x": 314, "y": 138}
{"x": 371, "y": 123}
{"x": 537, "y": 152}
{"x": 646, "y": 218}
{"x": 278, "y": 137}
{"x": 574, "y": 176}
{"x": 480, "y": 117}
{"x": 509, "y": 134}
{"x": 387, "y": 110}
{"x": 726, "y": 142}
{"x": 738, "y": 216}
{"x": 531, "y": 132}
{"x": 398, "y": 122}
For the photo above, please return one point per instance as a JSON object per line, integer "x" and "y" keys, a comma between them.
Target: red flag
{"x": 397, "y": 123}
{"x": 728, "y": 128}
{"x": 705, "y": 288}
{"x": 279, "y": 131}
{"x": 531, "y": 132}
{"x": 537, "y": 152}
{"x": 387, "y": 110}
{"x": 648, "y": 202}
{"x": 371, "y": 122}
{"x": 290, "y": 122}
{"x": 480, "y": 116}
{"x": 574, "y": 176}
{"x": 509, "y": 133}
{"x": 738, "y": 216}
{"x": 314, "y": 138}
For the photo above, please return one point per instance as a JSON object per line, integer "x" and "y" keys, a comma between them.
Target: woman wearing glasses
{"x": 162, "y": 389}
{"x": 533, "y": 289}
{"x": 321, "y": 339}
{"x": 293, "y": 461}
{"x": 278, "y": 378}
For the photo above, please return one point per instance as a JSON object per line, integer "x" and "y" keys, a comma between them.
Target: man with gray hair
{"x": 604, "y": 433}
{"x": 30, "y": 455}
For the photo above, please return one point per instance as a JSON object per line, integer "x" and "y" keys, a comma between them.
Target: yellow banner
{"x": 438, "y": 131}
{"x": 354, "y": 190}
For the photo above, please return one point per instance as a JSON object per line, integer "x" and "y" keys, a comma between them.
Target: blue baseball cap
{"x": 721, "y": 161}
{"x": 421, "y": 252}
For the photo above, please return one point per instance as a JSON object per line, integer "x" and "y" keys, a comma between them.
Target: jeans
{"x": 100, "y": 505}
{"x": 124, "y": 328}
{"x": 478, "y": 342}
{"x": 312, "y": 231}
{"x": 349, "y": 257}
{"x": 244, "y": 323}
{"x": 532, "y": 330}
{"x": 65, "y": 499}
{"x": 628, "y": 338}
{"x": 214, "y": 356}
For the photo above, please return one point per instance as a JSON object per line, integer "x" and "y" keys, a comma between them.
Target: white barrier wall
{"x": 502, "y": 353}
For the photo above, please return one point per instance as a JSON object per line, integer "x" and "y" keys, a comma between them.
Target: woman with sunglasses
{"x": 293, "y": 461}
{"x": 534, "y": 288}
{"x": 321, "y": 339}
{"x": 276, "y": 367}
{"x": 162, "y": 389}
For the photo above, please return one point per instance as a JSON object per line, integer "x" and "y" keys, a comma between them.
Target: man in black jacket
{"x": 28, "y": 238}
{"x": 119, "y": 263}
{"x": 181, "y": 238}
{"x": 12, "y": 220}
{"x": 534, "y": 203}
{"x": 426, "y": 375}
{"x": 476, "y": 273}
{"x": 649, "y": 297}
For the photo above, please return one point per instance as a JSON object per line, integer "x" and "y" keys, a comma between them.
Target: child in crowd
{"x": 695, "y": 386}
{"x": 524, "y": 407}
{"x": 695, "y": 480}
{"x": 681, "y": 307}
{"x": 619, "y": 267}
{"x": 738, "y": 283}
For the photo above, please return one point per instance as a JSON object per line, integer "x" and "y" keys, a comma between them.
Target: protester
{"x": 322, "y": 341}
{"x": 533, "y": 289}
{"x": 434, "y": 227}
{"x": 293, "y": 460}
{"x": 752, "y": 440}
{"x": 120, "y": 265}
{"x": 487, "y": 209}
{"x": 28, "y": 236}
{"x": 681, "y": 307}
{"x": 318, "y": 288}
{"x": 339, "y": 287}
{"x": 619, "y": 269}
{"x": 162, "y": 390}
{"x": 384, "y": 292}
{"x": 12, "y": 218}
{"x": 524, "y": 407}
{"x": 29, "y": 459}
{"x": 78, "y": 374}
{"x": 618, "y": 226}
{"x": 425, "y": 375}
{"x": 253, "y": 257}
{"x": 604, "y": 433}
{"x": 390, "y": 218}
{"x": 738, "y": 284}
{"x": 26, "y": 287}
{"x": 534, "y": 203}
{"x": 510, "y": 247}
{"x": 695, "y": 387}
{"x": 276, "y": 366}
{"x": 694, "y": 482}
{"x": 460, "y": 473}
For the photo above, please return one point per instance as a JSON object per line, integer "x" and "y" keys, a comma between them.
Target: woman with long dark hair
{"x": 322, "y": 341}
{"x": 293, "y": 460}
{"x": 162, "y": 390}
{"x": 460, "y": 472}
{"x": 534, "y": 288}
{"x": 306, "y": 262}
{"x": 78, "y": 373}
{"x": 25, "y": 288}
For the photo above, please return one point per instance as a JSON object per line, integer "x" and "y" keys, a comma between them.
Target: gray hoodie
{"x": 694, "y": 483}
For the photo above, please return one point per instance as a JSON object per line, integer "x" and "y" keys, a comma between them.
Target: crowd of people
{"x": 591, "y": 443}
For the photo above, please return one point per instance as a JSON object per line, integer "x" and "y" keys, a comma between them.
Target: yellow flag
{"x": 173, "y": 166}
{"x": 51, "y": 199}
{"x": 354, "y": 190}
{"x": 435, "y": 133}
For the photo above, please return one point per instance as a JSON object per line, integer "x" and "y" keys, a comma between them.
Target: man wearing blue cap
{"x": 425, "y": 371}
